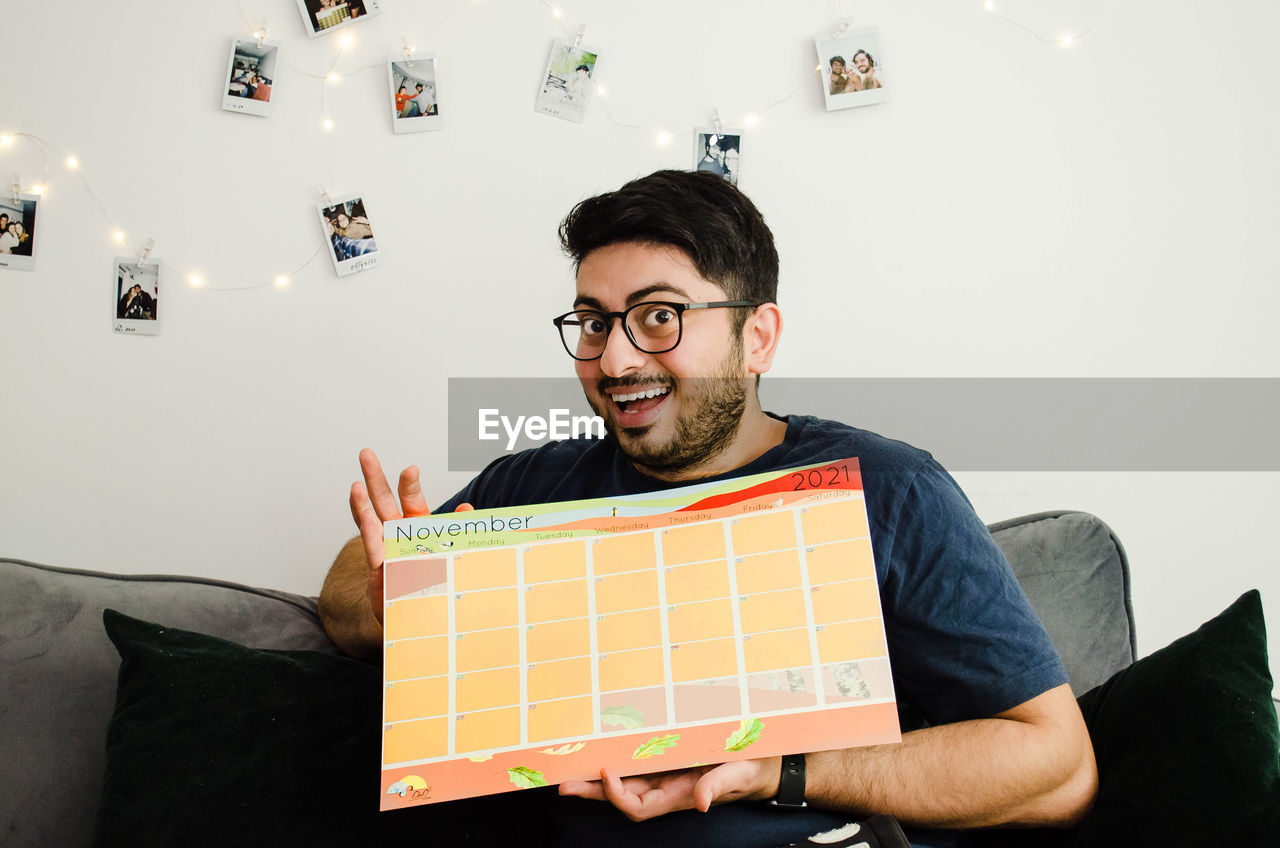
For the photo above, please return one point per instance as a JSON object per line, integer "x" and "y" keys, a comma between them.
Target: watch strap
{"x": 791, "y": 783}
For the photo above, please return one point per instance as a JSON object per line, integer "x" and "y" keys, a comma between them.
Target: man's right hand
{"x": 351, "y": 600}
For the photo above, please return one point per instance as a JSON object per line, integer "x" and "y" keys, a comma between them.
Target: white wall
{"x": 1016, "y": 209}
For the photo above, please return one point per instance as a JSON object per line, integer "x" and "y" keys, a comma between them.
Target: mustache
{"x": 608, "y": 383}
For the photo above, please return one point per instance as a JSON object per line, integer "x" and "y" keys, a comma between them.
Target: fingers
{"x": 411, "y": 500}
{"x": 371, "y": 538}
{"x": 592, "y": 790}
{"x": 378, "y": 490}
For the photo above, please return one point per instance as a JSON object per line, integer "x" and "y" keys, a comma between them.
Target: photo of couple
{"x": 350, "y": 236}
{"x": 415, "y": 105}
{"x": 851, "y": 63}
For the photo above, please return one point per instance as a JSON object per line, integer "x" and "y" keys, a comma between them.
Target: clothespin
{"x": 17, "y": 190}
{"x": 324, "y": 195}
{"x": 146, "y": 251}
{"x": 261, "y": 34}
{"x": 407, "y": 51}
{"x": 715, "y": 120}
{"x": 582, "y": 29}
{"x": 844, "y": 25}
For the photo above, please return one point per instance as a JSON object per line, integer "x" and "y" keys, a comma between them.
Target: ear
{"x": 760, "y": 338}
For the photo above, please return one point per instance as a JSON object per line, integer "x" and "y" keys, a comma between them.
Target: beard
{"x": 711, "y": 410}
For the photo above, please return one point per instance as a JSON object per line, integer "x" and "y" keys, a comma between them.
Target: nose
{"x": 620, "y": 355}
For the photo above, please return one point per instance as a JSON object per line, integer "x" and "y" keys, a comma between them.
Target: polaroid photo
{"x": 18, "y": 232}
{"x": 251, "y": 74}
{"x": 567, "y": 81}
{"x": 719, "y": 152}
{"x": 415, "y": 101}
{"x": 322, "y": 16}
{"x": 137, "y": 296}
{"x": 345, "y": 222}
{"x": 853, "y": 65}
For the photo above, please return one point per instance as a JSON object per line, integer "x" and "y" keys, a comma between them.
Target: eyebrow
{"x": 635, "y": 297}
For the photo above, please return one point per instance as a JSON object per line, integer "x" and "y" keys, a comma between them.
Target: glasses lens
{"x": 584, "y": 334}
{"x": 654, "y": 327}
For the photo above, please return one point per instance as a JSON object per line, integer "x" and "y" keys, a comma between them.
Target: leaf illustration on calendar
{"x": 623, "y": 715}
{"x": 747, "y": 733}
{"x": 567, "y": 748}
{"x": 655, "y": 746}
{"x": 525, "y": 777}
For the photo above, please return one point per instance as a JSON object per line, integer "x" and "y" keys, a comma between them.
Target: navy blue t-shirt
{"x": 964, "y": 641}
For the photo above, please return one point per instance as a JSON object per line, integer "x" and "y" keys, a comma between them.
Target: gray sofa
{"x": 58, "y": 669}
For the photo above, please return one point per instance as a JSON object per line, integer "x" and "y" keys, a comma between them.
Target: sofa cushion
{"x": 213, "y": 743}
{"x": 1074, "y": 571}
{"x": 1187, "y": 743}
{"x": 58, "y": 678}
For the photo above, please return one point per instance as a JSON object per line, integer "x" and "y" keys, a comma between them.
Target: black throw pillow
{"x": 213, "y": 743}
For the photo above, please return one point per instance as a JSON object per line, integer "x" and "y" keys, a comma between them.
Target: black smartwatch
{"x": 791, "y": 784}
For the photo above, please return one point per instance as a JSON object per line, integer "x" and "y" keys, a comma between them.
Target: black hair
{"x": 583, "y": 68}
{"x": 698, "y": 212}
{"x": 835, "y": 59}
{"x": 870, "y": 59}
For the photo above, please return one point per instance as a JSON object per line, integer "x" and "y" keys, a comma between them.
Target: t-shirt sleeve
{"x": 964, "y": 641}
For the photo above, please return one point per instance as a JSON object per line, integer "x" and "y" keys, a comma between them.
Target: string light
{"x": 1065, "y": 40}
{"x": 662, "y": 137}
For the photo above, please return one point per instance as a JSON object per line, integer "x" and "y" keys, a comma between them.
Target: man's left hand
{"x": 645, "y": 796}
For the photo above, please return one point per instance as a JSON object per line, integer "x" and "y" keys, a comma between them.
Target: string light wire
{"x": 661, "y": 137}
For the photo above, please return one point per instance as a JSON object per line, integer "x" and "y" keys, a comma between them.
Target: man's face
{"x": 700, "y": 387}
{"x": 837, "y": 68}
{"x": 419, "y": 89}
{"x": 862, "y": 62}
{"x": 731, "y": 160}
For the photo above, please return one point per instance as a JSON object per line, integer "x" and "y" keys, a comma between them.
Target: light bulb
{"x": 663, "y": 138}
{"x": 555, "y": 13}
{"x": 751, "y": 120}
{"x": 332, "y": 77}
{"x": 119, "y": 236}
{"x": 991, "y": 6}
{"x": 37, "y": 189}
{"x": 282, "y": 281}
{"x": 346, "y": 40}
{"x": 328, "y": 124}
{"x": 1067, "y": 40}
{"x": 73, "y": 162}
{"x": 600, "y": 88}
{"x": 6, "y": 140}
{"x": 195, "y": 280}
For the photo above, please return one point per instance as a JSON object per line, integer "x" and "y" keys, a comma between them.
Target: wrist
{"x": 768, "y": 772}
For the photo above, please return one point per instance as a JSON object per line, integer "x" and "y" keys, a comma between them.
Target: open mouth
{"x": 635, "y": 403}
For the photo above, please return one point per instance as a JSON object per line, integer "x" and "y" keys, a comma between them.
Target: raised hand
{"x": 373, "y": 502}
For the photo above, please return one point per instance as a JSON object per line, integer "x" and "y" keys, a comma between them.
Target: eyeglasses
{"x": 652, "y": 326}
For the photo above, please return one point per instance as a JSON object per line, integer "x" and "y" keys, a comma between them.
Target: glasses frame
{"x": 676, "y": 307}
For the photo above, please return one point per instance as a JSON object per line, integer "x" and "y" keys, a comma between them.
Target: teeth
{"x": 638, "y": 395}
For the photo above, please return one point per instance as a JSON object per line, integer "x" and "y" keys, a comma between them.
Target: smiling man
{"x": 674, "y": 320}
